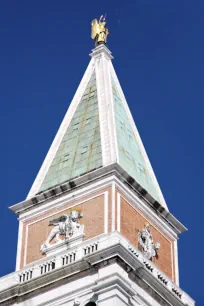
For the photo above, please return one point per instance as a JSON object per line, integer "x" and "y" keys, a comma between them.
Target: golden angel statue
{"x": 98, "y": 30}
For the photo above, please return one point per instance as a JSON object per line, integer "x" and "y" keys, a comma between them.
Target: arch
{"x": 91, "y": 304}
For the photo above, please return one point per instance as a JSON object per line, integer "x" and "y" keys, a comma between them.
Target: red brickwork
{"x": 38, "y": 229}
{"x": 132, "y": 221}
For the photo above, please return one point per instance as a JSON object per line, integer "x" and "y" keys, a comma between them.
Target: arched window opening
{"x": 91, "y": 304}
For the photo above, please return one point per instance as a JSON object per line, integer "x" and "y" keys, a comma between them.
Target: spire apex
{"x": 101, "y": 49}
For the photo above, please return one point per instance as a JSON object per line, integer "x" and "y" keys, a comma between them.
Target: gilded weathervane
{"x": 98, "y": 30}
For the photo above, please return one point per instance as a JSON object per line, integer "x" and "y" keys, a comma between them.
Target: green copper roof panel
{"x": 130, "y": 156}
{"x": 80, "y": 149}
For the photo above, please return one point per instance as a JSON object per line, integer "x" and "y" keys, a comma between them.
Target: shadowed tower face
{"x": 95, "y": 228}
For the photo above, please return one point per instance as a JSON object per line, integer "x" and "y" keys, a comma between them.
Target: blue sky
{"x": 158, "y": 48}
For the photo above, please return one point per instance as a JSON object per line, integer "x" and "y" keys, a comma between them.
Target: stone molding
{"x": 95, "y": 253}
{"x": 84, "y": 187}
{"x": 64, "y": 245}
{"x": 101, "y": 49}
{"x": 88, "y": 179}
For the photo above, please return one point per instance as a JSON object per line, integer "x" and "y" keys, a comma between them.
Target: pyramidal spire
{"x": 95, "y": 209}
{"x": 98, "y": 130}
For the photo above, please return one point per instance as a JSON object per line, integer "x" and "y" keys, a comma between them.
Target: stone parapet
{"x": 103, "y": 250}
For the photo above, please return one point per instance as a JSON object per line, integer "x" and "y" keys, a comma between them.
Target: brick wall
{"x": 36, "y": 230}
{"x": 133, "y": 221}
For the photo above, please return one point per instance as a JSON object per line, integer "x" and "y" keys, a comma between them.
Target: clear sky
{"x": 158, "y": 47}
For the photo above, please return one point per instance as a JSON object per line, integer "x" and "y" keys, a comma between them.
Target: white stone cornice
{"x": 111, "y": 250}
{"x": 93, "y": 181}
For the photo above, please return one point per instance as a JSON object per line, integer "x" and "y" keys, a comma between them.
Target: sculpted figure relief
{"x": 67, "y": 225}
{"x": 98, "y": 30}
{"x": 77, "y": 302}
{"x": 146, "y": 244}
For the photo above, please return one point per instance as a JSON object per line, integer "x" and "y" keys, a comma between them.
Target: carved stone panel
{"x": 67, "y": 225}
{"x": 145, "y": 243}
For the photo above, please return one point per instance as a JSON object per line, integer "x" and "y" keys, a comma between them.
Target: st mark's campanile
{"x": 95, "y": 228}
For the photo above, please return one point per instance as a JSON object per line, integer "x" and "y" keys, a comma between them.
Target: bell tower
{"x": 95, "y": 228}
